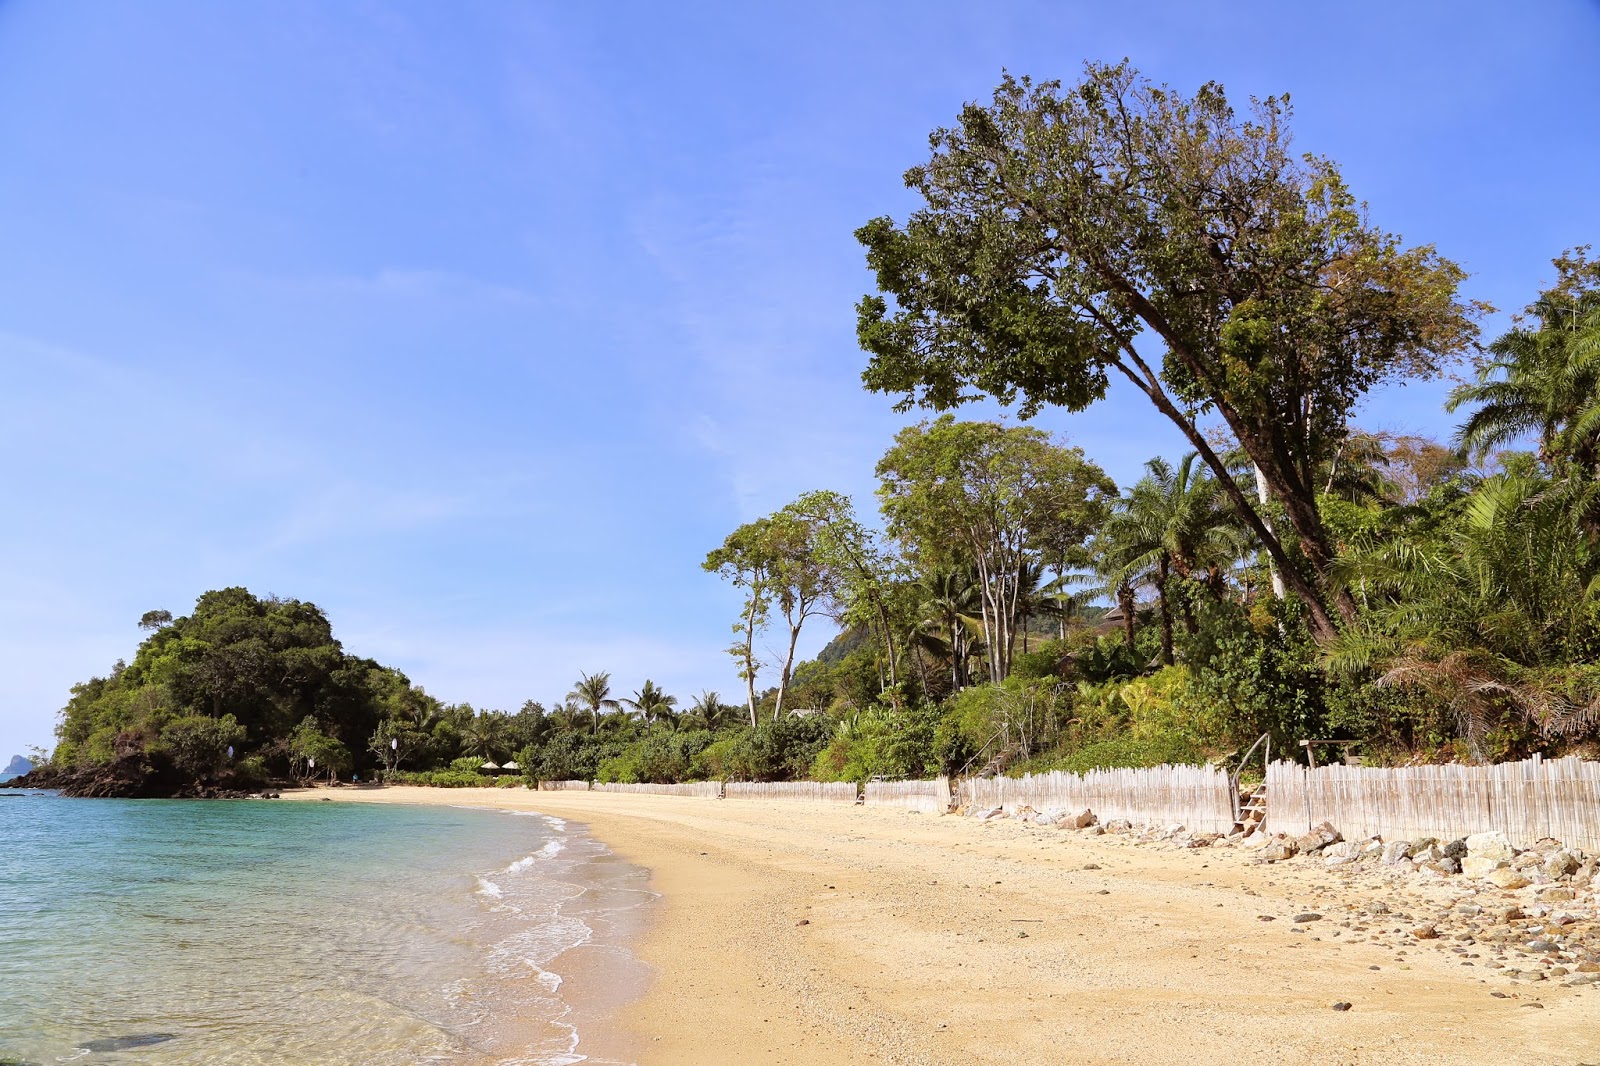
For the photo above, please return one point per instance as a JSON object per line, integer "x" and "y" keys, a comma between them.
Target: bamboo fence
{"x": 563, "y": 786}
{"x": 815, "y": 791}
{"x": 1526, "y": 801}
{"x": 707, "y": 789}
{"x": 1195, "y": 797}
{"x": 930, "y": 797}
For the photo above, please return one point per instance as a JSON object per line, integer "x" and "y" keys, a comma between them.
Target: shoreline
{"x": 790, "y": 932}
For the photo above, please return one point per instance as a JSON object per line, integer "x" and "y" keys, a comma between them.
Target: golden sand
{"x": 801, "y": 933}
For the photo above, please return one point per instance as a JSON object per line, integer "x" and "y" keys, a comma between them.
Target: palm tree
{"x": 1543, "y": 381}
{"x": 1174, "y": 523}
{"x": 593, "y": 695}
{"x": 948, "y": 622}
{"x": 485, "y": 735}
{"x": 652, "y": 704}
{"x": 708, "y": 711}
{"x": 1487, "y": 617}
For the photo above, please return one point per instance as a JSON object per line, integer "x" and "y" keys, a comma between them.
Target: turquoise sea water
{"x": 256, "y": 932}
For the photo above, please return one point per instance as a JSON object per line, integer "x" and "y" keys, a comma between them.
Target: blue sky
{"x": 479, "y": 324}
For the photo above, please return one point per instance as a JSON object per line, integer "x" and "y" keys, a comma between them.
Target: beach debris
{"x": 1341, "y": 1005}
{"x": 123, "y": 1043}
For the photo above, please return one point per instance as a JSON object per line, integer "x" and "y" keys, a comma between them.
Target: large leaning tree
{"x": 1118, "y": 228}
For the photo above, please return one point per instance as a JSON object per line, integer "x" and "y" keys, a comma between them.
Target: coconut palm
{"x": 651, "y": 704}
{"x": 485, "y": 735}
{"x": 1542, "y": 382}
{"x": 593, "y": 694}
{"x": 949, "y": 623}
{"x": 1174, "y": 523}
{"x": 708, "y": 712}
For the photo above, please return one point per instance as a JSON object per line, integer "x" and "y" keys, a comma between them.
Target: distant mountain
{"x": 15, "y": 768}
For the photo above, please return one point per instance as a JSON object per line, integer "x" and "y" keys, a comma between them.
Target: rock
{"x": 1442, "y": 867}
{"x": 1118, "y": 825}
{"x": 1319, "y": 837}
{"x": 1555, "y": 894}
{"x": 124, "y": 1043}
{"x": 1480, "y": 866}
{"x": 1396, "y": 851}
{"x": 1507, "y": 879}
{"x": 1425, "y": 854}
{"x": 1425, "y": 932}
{"x": 1309, "y": 916}
{"x": 1543, "y": 946}
{"x": 1457, "y": 850}
{"x": 1488, "y": 846}
{"x": 1420, "y": 845}
{"x": 1281, "y": 849}
{"x": 1341, "y": 1005}
{"x": 1345, "y": 851}
{"x": 1082, "y": 820}
{"x": 1560, "y": 864}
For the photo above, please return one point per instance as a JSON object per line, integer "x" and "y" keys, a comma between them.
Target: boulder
{"x": 1319, "y": 837}
{"x": 1280, "y": 849}
{"x": 1425, "y": 854}
{"x": 1506, "y": 878}
{"x": 1555, "y": 894}
{"x": 1560, "y": 864}
{"x": 1488, "y": 846}
{"x": 1441, "y": 867}
{"x": 1395, "y": 852}
{"x": 1481, "y": 866}
{"x": 1118, "y": 825}
{"x": 1082, "y": 820}
{"x": 1456, "y": 849}
{"x": 1420, "y": 845}
{"x": 1345, "y": 851}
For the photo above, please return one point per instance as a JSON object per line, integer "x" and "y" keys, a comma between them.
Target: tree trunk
{"x": 788, "y": 667}
{"x": 1320, "y": 620}
{"x": 1166, "y": 611}
{"x": 750, "y": 660}
{"x": 1125, "y": 601}
{"x": 1261, "y": 495}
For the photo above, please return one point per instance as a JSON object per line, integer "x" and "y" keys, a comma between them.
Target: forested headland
{"x": 1290, "y": 573}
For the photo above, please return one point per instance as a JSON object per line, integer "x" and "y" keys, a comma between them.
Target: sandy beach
{"x": 801, "y": 933}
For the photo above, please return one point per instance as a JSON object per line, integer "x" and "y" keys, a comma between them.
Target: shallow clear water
{"x": 257, "y": 932}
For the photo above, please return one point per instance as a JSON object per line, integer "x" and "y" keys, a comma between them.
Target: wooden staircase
{"x": 1252, "y": 811}
{"x": 1002, "y": 759}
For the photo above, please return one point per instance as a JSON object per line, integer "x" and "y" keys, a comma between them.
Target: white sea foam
{"x": 489, "y": 888}
{"x": 550, "y": 850}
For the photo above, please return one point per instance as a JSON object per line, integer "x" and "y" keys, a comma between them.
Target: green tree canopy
{"x": 991, "y": 497}
{"x": 1066, "y": 231}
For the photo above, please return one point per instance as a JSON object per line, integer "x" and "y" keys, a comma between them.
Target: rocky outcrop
{"x": 131, "y": 777}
